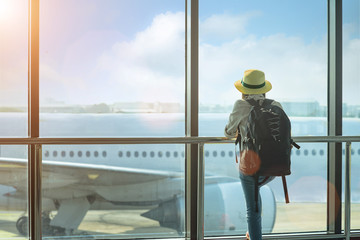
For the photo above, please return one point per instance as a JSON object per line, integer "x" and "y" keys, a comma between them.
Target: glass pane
{"x": 225, "y": 210}
{"x": 275, "y": 37}
{"x": 351, "y": 103}
{"x": 13, "y": 192}
{"x": 112, "y": 57}
{"x": 114, "y": 191}
{"x": 13, "y": 67}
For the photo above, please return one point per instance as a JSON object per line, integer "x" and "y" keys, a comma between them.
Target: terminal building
{"x": 112, "y": 117}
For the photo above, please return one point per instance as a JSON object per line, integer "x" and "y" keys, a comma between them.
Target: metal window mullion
{"x": 347, "y": 190}
{"x": 193, "y": 204}
{"x": 34, "y": 155}
{"x": 334, "y": 115}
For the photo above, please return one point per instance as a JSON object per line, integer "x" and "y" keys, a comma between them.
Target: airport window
{"x": 79, "y": 153}
{"x": 144, "y": 154}
{"x": 136, "y": 154}
{"x": 152, "y": 154}
{"x": 63, "y": 154}
{"x": 71, "y": 153}
{"x": 104, "y": 154}
{"x": 120, "y": 153}
{"x": 128, "y": 154}
{"x": 87, "y": 153}
{"x": 55, "y": 153}
{"x": 96, "y": 153}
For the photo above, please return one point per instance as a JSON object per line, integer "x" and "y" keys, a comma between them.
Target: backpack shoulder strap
{"x": 267, "y": 102}
{"x": 252, "y": 102}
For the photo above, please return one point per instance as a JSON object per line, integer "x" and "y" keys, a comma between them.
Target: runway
{"x": 293, "y": 217}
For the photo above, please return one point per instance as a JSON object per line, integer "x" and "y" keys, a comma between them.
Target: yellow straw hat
{"x": 253, "y": 82}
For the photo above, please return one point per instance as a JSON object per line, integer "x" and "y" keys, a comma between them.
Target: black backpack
{"x": 267, "y": 144}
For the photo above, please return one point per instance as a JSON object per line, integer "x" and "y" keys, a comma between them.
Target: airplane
{"x": 80, "y": 178}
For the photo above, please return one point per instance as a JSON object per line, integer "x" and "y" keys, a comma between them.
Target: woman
{"x": 252, "y": 86}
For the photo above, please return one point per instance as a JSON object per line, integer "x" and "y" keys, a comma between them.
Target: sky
{"x": 109, "y": 51}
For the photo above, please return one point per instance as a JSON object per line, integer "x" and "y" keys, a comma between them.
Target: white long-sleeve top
{"x": 240, "y": 113}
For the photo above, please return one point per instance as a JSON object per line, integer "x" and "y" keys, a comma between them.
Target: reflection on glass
{"x": 13, "y": 67}
{"x": 225, "y": 211}
{"x": 116, "y": 194}
{"x": 112, "y": 58}
{"x": 291, "y": 49}
{"x": 13, "y": 192}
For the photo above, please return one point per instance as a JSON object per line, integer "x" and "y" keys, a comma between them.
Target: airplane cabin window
{"x": 306, "y": 152}
{"x": 167, "y": 154}
{"x": 222, "y": 153}
{"x": 182, "y": 154}
{"x": 358, "y": 151}
{"x": 79, "y": 153}
{"x": 136, "y": 154}
{"x": 128, "y": 154}
{"x": 144, "y": 154}
{"x": 87, "y": 153}
{"x": 46, "y": 154}
{"x": 63, "y": 153}
{"x": 313, "y": 152}
{"x": 120, "y": 153}
{"x": 214, "y": 153}
{"x": 55, "y": 153}
{"x": 96, "y": 153}
{"x": 152, "y": 154}
{"x": 104, "y": 154}
{"x": 160, "y": 154}
{"x": 231, "y": 153}
{"x": 298, "y": 152}
{"x": 176, "y": 154}
{"x": 71, "y": 153}
{"x": 207, "y": 153}
{"x": 352, "y": 151}
{"x": 321, "y": 152}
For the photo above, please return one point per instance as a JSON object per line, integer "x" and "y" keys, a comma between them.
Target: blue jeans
{"x": 253, "y": 217}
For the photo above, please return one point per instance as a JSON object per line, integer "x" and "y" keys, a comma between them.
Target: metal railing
{"x": 37, "y": 143}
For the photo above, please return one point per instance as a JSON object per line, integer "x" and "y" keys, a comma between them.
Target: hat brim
{"x": 246, "y": 90}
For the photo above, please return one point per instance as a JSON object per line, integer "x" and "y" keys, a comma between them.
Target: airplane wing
{"x": 79, "y": 176}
